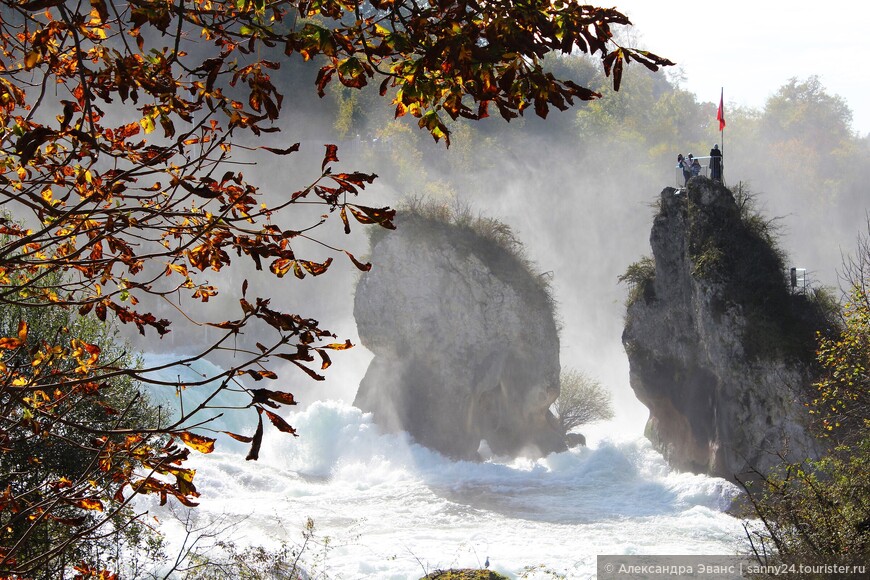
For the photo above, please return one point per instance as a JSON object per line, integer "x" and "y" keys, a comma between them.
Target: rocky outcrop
{"x": 465, "y": 343}
{"x": 575, "y": 440}
{"x": 718, "y": 346}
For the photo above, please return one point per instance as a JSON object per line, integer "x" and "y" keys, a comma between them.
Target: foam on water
{"x": 393, "y": 509}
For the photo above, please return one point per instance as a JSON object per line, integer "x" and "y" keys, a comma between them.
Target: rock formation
{"x": 717, "y": 343}
{"x": 465, "y": 343}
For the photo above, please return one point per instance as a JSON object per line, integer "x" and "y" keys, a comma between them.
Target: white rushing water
{"x": 393, "y": 509}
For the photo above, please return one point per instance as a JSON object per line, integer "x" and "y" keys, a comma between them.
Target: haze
{"x": 751, "y": 48}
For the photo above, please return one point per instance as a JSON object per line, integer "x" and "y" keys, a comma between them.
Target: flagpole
{"x": 722, "y": 131}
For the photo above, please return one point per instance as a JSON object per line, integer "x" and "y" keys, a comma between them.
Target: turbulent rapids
{"x": 393, "y": 509}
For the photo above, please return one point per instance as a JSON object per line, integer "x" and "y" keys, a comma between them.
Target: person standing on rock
{"x": 695, "y": 165}
{"x": 683, "y": 164}
{"x": 715, "y": 163}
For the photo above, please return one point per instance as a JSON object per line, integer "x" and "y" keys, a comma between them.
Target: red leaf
{"x": 331, "y": 151}
{"x": 309, "y": 372}
{"x": 364, "y": 267}
{"x": 371, "y": 215}
{"x": 280, "y": 423}
{"x": 237, "y": 437}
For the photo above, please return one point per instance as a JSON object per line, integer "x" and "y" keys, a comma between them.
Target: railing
{"x": 705, "y": 170}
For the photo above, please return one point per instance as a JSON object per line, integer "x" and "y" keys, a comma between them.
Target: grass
{"x": 492, "y": 240}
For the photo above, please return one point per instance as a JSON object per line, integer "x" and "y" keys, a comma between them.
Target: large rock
{"x": 465, "y": 343}
{"x": 718, "y": 347}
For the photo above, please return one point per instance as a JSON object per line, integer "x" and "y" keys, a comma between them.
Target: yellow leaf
{"x": 31, "y": 60}
{"x": 89, "y": 504}
{"x": 147, "y": 124}
{"x": 199, "y": 442}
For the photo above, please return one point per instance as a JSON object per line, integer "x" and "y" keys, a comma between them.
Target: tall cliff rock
{"x": 719, "y": 347}
{"x": 466, "y": 346}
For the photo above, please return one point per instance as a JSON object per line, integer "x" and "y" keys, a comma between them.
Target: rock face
{"x": 717, "y": 344}
{"x": 466, "y": 346}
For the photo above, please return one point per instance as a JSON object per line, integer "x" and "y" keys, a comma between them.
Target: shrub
{"x": 582, "y": 400}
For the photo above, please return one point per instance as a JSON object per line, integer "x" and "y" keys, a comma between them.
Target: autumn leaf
{"x": 292, "y": 149}
{"x": 10, "y": 343}
{"x": 237, "y": 437}
{"x": 314, "y": 268}
{"x": 32, "y": 59}
{"x": 257, "y": 439}
{"x": 89, "y": 504}
{"x": 330, "y": 156}
{"x": 13, "y": 343}
{"x": 279, "y": 423}
{"x": 260, "y": 395}
{"x": 198, "y": 442}
{"x": 343, "y": 214}
{"x": 365, "y": 267}
{"x": 147, "y": 124}
{"x": 370, "y": 215}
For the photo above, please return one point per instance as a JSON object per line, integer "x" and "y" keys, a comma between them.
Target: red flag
{"x": 720, "y": 114}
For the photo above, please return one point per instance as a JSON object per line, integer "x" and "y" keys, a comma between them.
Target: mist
{"x": 578, "y": 189}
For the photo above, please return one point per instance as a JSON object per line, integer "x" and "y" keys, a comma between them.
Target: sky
{"x": 752, "y": 48}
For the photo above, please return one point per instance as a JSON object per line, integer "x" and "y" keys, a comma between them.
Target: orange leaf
{"x": 330, "y": 155}
{"x": 315, "y": 268}
{"x": 10, "y": 343}
{"x": 199, "y": 442}
{"x": 89, "y": 504}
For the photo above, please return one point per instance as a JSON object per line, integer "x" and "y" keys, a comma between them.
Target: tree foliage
{"x": 119, "y": 123}
{"x": 581, "y": 400}
{"x": 37, "y": 459}
{"x": 818, "y": 511}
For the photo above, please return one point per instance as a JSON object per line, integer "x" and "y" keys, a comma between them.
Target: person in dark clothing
{"x": 715, "y": 163}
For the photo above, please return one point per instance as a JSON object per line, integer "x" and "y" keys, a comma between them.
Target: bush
{"x": 639, "y": 276}
{"x": 582, "y": 400}
{"x": 39, "y": 455}
{"x": 817, "y": 512}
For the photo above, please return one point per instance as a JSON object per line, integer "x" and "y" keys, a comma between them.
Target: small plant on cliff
{"x": 582, "y": 400}
{"x": 639, "y": 276}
